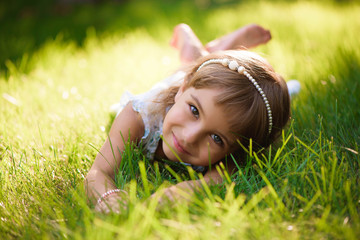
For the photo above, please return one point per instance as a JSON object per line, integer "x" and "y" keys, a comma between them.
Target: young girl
{"x": 199, "y": 114}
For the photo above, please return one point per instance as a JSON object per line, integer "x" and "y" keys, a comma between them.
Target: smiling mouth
{"x": 178, "y": 147}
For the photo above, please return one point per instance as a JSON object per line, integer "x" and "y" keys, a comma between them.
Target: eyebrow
{"x": 202, "y": 111}
{"x": 198, "y": 103}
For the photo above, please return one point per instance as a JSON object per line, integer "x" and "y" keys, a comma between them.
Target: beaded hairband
{"x": 233, "y": 65}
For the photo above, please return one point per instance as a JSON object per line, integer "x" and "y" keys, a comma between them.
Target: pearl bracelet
{"x": 108, "y": 193}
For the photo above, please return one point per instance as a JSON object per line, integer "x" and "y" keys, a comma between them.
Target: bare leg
{"x": 189, "y": 46}
{"x": 249, "y": 36}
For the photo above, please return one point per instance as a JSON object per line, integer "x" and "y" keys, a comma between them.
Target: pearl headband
{"x": 233, "y": 65}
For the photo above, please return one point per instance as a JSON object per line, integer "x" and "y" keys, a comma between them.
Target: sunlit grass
{"x": 54, "y": 112}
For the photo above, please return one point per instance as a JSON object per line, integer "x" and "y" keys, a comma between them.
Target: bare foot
{"x": 189, "y": 46}
{"x": 249, "y": 36}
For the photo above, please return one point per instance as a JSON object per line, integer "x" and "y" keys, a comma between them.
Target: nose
{"x": 192, "y": 134}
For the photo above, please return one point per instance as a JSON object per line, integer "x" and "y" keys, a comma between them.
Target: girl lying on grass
{"x": 197, "y": 116}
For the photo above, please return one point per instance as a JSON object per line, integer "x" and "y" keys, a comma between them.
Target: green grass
{"x": 60, "y": 72}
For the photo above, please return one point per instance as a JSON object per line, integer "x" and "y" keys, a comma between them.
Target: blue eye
{"x": 217, "y": 139}
{"x": 194, "y": 111}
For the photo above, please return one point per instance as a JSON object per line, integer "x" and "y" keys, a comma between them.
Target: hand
{"x": 115, "y": 202}
{"x": 174, "y": 194}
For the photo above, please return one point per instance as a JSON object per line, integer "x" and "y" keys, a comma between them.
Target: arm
{"x": 183, "y": 190}
{"x": 100, "y": 178}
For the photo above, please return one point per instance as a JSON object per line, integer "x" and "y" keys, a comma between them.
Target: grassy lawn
{"x": 63, "y": 66}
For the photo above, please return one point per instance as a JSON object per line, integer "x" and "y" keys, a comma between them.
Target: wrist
{"x": 112, "y": 201}
{"x": 108, "y": 194}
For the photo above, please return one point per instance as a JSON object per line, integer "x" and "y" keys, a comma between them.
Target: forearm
{"x": 185, "y": 189}
{"x": 197, "y": 184}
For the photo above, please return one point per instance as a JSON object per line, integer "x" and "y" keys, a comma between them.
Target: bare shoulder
{"x": 129, "y": 123}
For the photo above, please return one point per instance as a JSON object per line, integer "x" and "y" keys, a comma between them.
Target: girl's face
{"x": 196, "y": 129}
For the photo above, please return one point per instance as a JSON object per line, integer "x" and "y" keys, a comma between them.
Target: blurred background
{"x": 27, "y": 25}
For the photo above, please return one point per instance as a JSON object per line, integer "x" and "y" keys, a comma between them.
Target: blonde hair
{"x": 241, "y": 101}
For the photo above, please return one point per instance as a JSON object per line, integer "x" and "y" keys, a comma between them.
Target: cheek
{"x": 168, "y": 122}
